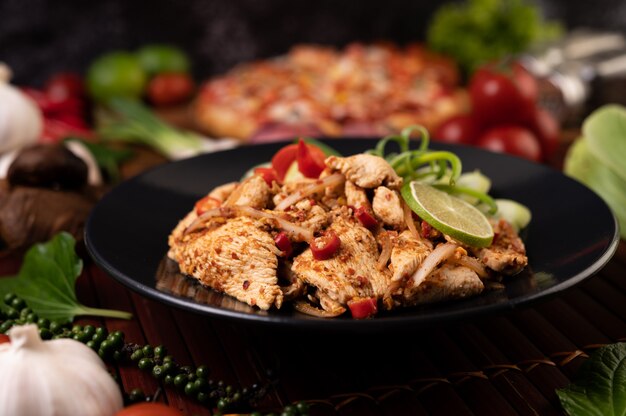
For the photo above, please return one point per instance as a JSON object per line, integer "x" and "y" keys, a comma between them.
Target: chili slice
{"x": 366, "y": 218}
{"x": 283, "y": 243}
{"x": 361, "y": 308}
{"x": 206, "y": 203}
{"x": 325, "y": 246}
{"x": 308, "y": 164}
{"x": 268, "y": 174}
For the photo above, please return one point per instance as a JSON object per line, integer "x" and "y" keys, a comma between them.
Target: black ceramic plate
{"x": 571, "y": 236}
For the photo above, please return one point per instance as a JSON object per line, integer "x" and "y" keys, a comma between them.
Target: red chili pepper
{"x": 4, "y": 338}
{"x": 268, "y": 175}
{"x": 368, "y": 220}
{"x": 362, "y": 307}
{"x": 283, "y": 243}
{"x": 308, "y": 165}
{"x": 325, "y": 246}
{"x": 282, "y": 160}
{"x": 206, "y": 203}
{"x": 426, "y": 229}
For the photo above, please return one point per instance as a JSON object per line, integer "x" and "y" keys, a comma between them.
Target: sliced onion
{"x": 472, "y": 264}
{"x": 308, "y": 309}
{"x": 434, "y": 259}
{"x": 317, "y": 186}
{"x": 198, "y": 223}
{"x": 295, "y": 232}
{"x": 385, "y": 253}
{"x": 408, "y": 219}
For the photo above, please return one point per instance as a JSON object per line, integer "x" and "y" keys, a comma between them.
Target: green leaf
{"x": 600, "y": 385}
{"x": 605, "y": 131}
{"x": 47, "y": 278}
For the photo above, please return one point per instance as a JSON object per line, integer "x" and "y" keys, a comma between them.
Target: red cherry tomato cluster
{"x": 63, "y": 105}
{"x": 504, "y": 115}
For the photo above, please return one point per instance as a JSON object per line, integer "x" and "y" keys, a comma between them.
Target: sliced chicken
{"x": 446, "y": 283}
{"x": 253, "y": 192}
{"x": 407, "y": 254}
{"x": 366, "y": 171}
{"x": 507, "y": 253}
{"x": 238, "y": 258}
{"x": 387, "y": 207}
{"x": 351, "y": 272}
{"x": 356, "y": 196}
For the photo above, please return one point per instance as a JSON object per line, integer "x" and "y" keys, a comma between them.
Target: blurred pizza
{"x": 362, "y": 90}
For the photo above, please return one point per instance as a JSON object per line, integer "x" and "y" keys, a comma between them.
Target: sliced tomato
{"x": 283, "y": 159}
{"x": 324, "y": 247}
{"x": 283, "y": 243}
{"x": 4, "y": 339}
{"x": 308, "y": 164}
{"x": 366, "y": 218}
{"x": 206, "y": 203}
{"x": 268, "y": 175}
{"x": 361, "y": 308}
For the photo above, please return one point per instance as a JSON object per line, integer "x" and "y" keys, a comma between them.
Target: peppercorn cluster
{"x": 111, "y": 347}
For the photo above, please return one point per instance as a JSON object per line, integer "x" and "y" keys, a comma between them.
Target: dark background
{"x": 41, "y": 37}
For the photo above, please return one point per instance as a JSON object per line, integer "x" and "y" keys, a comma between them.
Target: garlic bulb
{"x": 21, "y": 121}
{"x": 53, "y": 378}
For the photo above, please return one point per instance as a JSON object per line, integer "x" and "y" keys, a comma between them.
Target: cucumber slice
{"x": 515, "y": 213}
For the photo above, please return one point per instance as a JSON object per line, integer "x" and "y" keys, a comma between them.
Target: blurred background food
{"x": 114, "y": 87}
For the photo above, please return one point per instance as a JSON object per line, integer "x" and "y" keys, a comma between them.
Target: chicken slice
{"x": 356, "y": 196}
{"x": 351, "y": 272}
{"x": 446, "y": 283}
{"x": 407, "y": 254}
{"x": 253, "y": 192}
{"x": 238, "y": 258}
{"x": 507, "y": 254}
{"x": 387, "y": 207}
{"x": 366, "y": 171}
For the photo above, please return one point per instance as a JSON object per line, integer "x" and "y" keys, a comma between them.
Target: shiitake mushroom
{"x": 48, "y": 166}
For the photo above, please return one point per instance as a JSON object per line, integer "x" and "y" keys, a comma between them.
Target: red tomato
{"x": 366, "y": 218}
{"x": 308, "y": 165}
{"x": 64, "y": 86}
{"x": 283, "y": 243}
{"x": 4, "y": 339}
{"x": 170, "y": 88}
{"x": 206, "y": 203}
{"x": 148, "y": 409}
{"x": 283, "y": 159}
{"x": 325, "y": 246}
{"x": 515, "y": 140}
{"x": 500, "y": 97}
{"x": 458, "y": 129}
{"x": 268, "y": 175}
{"x": 362, "y": 307}
{"x": 547, "y": 130}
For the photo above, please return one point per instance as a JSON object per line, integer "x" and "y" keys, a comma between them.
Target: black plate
{"x": 572, "y": 235}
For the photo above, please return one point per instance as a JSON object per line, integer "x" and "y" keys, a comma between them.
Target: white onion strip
{"x": 385, "y": 253}
{"x": 294, "y": 231}
{"x": 471, "y": 263}
{"x": 319, "y": 185}
{"x": 408, "y": 219}
{"x": 434, "y": 259}
{"x": 305, "y": 307}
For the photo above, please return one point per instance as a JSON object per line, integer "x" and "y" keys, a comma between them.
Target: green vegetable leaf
{"x": 605, "y": 131}
{"x": 600, "y": 385}
{"x": 47, "y": 278}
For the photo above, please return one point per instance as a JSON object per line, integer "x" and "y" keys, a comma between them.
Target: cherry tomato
{"x": 458, "y": 129}
{"x": 170, "y": 88}
{"x": 4, "y": 339}
{"x": 515, "y": 140}
{"x": 206, "y": 203}
{"x": 268, "y": 175}
{"x": 547, "y": 130}
{"x": 283, "y": 159}
{"x": 148, "y": 409}
{"x": 64, "y": 86}
{"x": 366, "y": 218}
{"x": 308, "y": 165}
{"x": 325, "y": 246}
{"x": 283, "y": 243}
{"x": 502, "y": 97}
{"x": 361, "y": 308}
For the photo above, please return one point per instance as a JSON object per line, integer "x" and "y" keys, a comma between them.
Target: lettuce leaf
{"x": 605, "y": 131}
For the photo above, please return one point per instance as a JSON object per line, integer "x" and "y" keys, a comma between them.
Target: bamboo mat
{"x": 497, "y": 365}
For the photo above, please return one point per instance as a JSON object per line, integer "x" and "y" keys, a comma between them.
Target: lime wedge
{"x": 448, "y": 214}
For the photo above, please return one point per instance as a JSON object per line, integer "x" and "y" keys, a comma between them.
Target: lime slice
{"x": 448, "y": 214}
